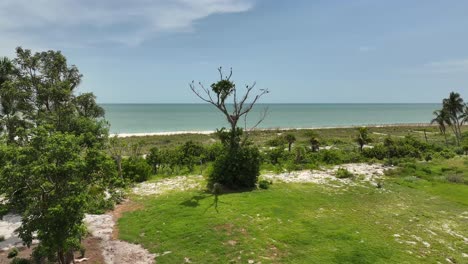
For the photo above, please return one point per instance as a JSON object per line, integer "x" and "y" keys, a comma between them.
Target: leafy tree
{"x": 192, "y": 153}
{"x": 136, "y": 169}
{"x": 54, "y": 153}
{"x": 290, "y": 138}
{"x": 363, "y": 137}
{"x": 154, "y": 159}
{"x": 47, "y": 181}
{"x": 232, "y": 168}
{"x": 12, "y": 101}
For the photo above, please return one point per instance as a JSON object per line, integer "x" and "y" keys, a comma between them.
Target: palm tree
{"x": 442, "y": 119}
{"x": 363, "y": 137}
{"x": 314, "y": 143}
{"x": 290, "y": 138}
{"x": 454, "y": 106}
{"x": 464, "y": 115}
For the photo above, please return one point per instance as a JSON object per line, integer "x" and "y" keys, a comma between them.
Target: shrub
{"x": 136, "y": 169}
{"x": 213, "y": 151}
{"x": 331, "y": 157}
{"x": 13, "y": 253}
{"x": 343, "y": 173}
{"x": 20, "y": 261}
{"x": 2, "y": 238}
{"x": 455, "y": 178}
{"x": 154, "y": 159}
{"x": 236, "y": 168}
{"x": 275, "y": 155}
{"x": 264, "y": 184}
{"x": 277, "y": 142}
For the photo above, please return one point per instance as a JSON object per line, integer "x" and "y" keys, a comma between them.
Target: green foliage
{"x": 264, "y": 184}
{"x": 54, "y": 153}
{"x": 314, "y": 143}
{"x": 290, "y": 138}
{"x": 20, "y": 261}
{"x": 276, "y": 142}
{"x": 363, "y": 137}
{"x": 275, "y": 155}
{"x": 55, "y": 168}
{"x": 136, "y": 169}
{"x": 236, "y": 168}
{"x": 342, "y": 173}
{"x": 2, "y": 238}
{"x": 192, "y": 154}
{"x": 154, "y": 159}
{"x": 13, "y": 253}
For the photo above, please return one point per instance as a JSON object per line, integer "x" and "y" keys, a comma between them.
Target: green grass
{"x": 303, "y": 223}
{"x": 434, "y": 178}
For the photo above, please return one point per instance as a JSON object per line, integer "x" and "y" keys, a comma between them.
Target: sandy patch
{"x": 116, "y": 251}
{"x": 179, "y": 183}
{"x": 8, "y": 225}
{"x": 370, "y": 173}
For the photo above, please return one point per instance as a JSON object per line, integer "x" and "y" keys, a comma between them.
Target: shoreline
{"x": 209, "y": 132}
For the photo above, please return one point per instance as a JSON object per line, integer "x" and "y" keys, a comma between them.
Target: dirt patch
{"x": 227, "y": 228}
{"x": 93, "y": 253}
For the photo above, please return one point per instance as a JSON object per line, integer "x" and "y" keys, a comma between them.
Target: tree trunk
{"x": 289, "y": 146}
{"x": 119, "y": 167}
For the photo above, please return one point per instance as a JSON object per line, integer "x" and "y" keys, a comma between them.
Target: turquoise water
{"x": 148, "y": 118}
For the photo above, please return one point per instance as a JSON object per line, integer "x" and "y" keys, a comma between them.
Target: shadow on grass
{"x": 194, "y": 201}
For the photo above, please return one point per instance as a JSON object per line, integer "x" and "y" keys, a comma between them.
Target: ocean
{"x": 155, "y": 118}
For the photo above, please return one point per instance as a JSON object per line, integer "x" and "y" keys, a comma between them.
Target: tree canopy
{"x": 52, "y": 150}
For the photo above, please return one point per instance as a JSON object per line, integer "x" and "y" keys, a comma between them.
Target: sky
{"x": 303, "y": 51}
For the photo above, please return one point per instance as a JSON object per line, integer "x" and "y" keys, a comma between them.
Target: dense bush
{"x": 20, "y": 261}
{"x": 407, "y": 147}
{"x": 236, "y": 168}
{"x": 277, "y": 142}
{"x": 264, "y": 184}
{"x": 13, "y": 253}
{"x": 192, "y": 154}
{"x": 154, "y": 159}
{"x": 136, "y": 169}
{"x": 343, "y": 173}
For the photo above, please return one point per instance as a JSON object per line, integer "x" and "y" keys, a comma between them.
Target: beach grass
{"x": 414, "y": 218}
{"x": 327, "y": 136}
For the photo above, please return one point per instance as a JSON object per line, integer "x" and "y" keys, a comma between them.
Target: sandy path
{"x": 365, "y": 173}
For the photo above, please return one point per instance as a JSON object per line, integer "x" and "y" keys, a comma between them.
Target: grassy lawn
{"x": 422, "y": 221}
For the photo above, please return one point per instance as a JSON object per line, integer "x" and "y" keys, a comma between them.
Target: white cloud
{"x": 83, "y": 22}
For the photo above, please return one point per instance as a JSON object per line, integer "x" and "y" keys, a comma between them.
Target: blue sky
{"x": 304, "y": 51}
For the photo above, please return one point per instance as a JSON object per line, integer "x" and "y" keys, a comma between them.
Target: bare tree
{"x": 225, "y": 89}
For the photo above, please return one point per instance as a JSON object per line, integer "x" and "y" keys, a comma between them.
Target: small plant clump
{"x": 264, "y": 184}
{"x": 13, "y": 253}
{"x": 343, "y": 173}
{"x": 2, "y": 238}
